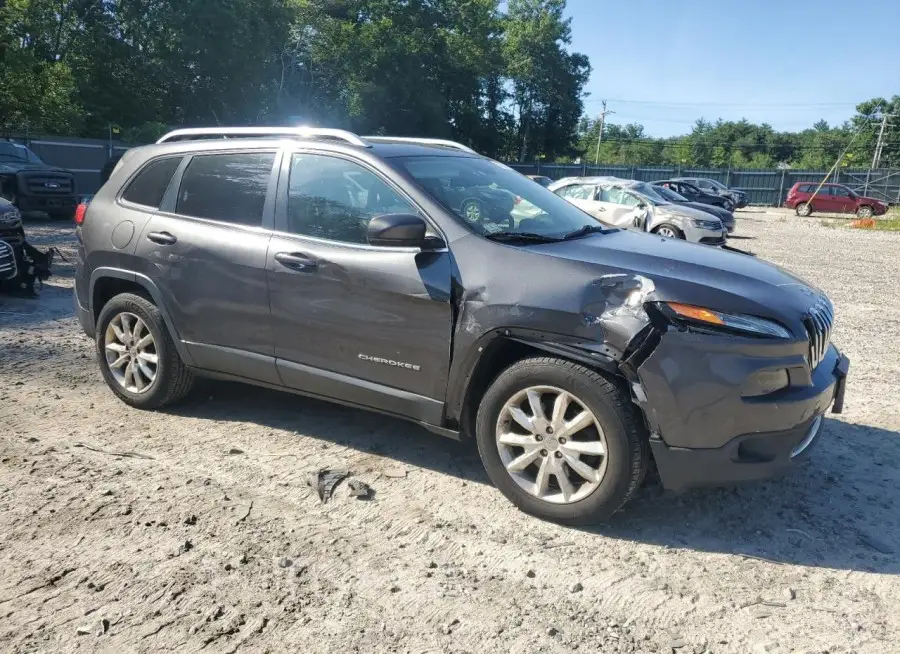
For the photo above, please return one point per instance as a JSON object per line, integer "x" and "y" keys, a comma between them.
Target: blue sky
{"x": 665, "y": 63}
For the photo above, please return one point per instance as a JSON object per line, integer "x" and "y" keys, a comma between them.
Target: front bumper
{"x": 705, "y": 431}
{"x": 51, "y": 204}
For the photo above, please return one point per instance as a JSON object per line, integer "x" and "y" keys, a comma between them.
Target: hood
{"x": 725, "y": 216}
{"x": 865, "y": 198}
{"x": 11, "y": 166}
{"x": 697, "y": 274}
{"x": 681, "y": 209}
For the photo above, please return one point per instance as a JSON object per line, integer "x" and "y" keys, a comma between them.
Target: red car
{"x": 831, "y": 198}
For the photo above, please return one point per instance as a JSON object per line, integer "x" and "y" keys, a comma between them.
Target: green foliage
{"x": 502, "y": 82}
{"x": 741, "y": 144}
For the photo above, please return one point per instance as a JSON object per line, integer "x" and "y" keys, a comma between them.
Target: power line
{"x": 661, "y": 103}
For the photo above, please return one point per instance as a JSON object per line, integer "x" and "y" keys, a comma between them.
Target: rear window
{"x": 226, "y": 187}
{"x": 150, "y": 185}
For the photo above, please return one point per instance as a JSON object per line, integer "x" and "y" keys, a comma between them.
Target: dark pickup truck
{"x": 33, "y": 186}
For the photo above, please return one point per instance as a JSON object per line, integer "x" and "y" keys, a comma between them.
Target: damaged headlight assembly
{"x": 714, "y": 224}
{"x": 719, "y": 321}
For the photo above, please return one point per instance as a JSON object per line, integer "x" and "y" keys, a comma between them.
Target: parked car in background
{"x": 33, "y": 186}
{"x": 636, "y": 205}
{"x": 737, "y": 197}
{"x": 722, "y": 214}
{"x": 832, "y": 198}
{"x": 696, "y": 194}
{"x": 540, "y": 179}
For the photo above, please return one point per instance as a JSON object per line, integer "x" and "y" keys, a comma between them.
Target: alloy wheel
{"x": 131, "y": 353}
{"x": 551, "y": 444}
{"x": 668, "y": 232}
{"x": 472, "y": 211}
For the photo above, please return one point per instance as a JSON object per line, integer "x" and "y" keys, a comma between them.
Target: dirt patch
{"x": 197, "y": 528}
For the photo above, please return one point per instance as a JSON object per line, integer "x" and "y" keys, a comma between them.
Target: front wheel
{"x": 864, "y": 212}
{"x": 561, "y": 441}
{"x": 668, "y": 231}
{"x": 804, "y": 209}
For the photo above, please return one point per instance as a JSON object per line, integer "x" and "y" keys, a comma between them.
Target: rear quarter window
{"x": 150, "y": 184}
{"x": 226, "y": 187}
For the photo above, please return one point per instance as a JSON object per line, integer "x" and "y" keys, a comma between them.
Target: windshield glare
{"x": 718, "y": 184}
{"x": 649, "y": 192}
{"x": 490, "y": 198}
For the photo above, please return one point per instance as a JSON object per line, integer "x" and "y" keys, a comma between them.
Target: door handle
{"x": 162, "y": 238}
{"x": 296, "y": 261}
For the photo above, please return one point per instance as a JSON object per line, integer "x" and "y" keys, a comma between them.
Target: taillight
{"x": 80, "y": 212}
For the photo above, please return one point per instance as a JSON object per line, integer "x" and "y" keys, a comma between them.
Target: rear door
{"x": 586, "y": 198}
{"x": 206, "y": 251}
{"x": 823, "y": 201}
{"x": 842, "y": 200}
{"x": 354, "y": 322}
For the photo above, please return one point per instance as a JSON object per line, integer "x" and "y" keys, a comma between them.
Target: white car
{"x": 635, "y": 205}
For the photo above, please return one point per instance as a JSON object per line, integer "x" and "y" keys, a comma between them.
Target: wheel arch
{"x": 495, "y": 351}
{"x": 106, "y": 283}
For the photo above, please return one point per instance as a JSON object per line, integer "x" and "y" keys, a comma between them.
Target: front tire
{"x": 668, "y": 231}
{"x": 561, "y": 441}
{"x": 137, "y": 356}
{"x": 728, "y": 205}
{"x": 804, "y": 209}
{"x": 865, "y": 212}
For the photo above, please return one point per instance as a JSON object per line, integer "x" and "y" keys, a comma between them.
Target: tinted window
{"x": 226, "y": 187}
{"x": 335, "y": 199}
{"x": 151, "y": 183}
{"x": 840, "y": 191}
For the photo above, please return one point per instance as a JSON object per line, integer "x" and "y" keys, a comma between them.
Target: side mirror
{"x": 396, "y": 230}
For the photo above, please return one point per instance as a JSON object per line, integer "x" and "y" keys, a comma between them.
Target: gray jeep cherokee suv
{"x": 343, "y": 267}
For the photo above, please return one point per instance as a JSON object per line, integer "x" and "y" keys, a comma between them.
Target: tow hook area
{"x": 840, "y": 372}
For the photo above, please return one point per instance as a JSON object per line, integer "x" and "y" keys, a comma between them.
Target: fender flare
{"x": 155, "y": 294}
{"x": 464, "y": 372}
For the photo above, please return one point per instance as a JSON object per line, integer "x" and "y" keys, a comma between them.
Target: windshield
{"x": 718, "y": 185}
{"x": 648, "y": 192}
{"x": 491, "y": 198}
{"x": 20, "y": 152}
{"x": 669, "y": 194}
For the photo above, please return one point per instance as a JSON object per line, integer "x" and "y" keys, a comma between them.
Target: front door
{"x": 364, "y": 324}
{"x": 843, "y": 202}
{"x": 622, "y": 208}
{"x": 206, "y": 252}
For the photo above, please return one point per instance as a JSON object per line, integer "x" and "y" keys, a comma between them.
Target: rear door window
{"x": 150, "y": 184}
{"x": 228, "y": 187}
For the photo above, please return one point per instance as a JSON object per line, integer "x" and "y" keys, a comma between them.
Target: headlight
{"x": 729, "y": 321}
{"x": 714, "y": 224}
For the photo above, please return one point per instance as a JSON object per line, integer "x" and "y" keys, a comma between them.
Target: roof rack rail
{"x": 409, "y": 139}
{"x": 195, "y": 133}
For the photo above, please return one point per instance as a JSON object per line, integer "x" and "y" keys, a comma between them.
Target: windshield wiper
{"x": 584, "y": 231}
{"x": 526, "y": 237}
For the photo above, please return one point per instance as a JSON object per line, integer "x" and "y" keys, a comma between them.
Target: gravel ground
{"x": 123, "y": 531}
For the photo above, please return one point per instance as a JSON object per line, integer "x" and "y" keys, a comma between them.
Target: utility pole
{"x": 600, "y": 136}
{"x": 879, "y": 145}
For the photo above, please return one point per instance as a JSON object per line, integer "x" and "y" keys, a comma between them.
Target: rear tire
{"x": 148, "y": 377}
{"x": 803, "y": 209}
{"x": 615, "y": 430}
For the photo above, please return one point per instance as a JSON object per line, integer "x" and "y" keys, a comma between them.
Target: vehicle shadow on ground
{"x": 836, "y": 510}
{"x": 360, "y": 430}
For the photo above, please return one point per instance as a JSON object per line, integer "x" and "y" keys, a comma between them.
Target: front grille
{"x": 49, "y": 184}
{"x": 7, "y": 261}
{"x": 818, "y": 325}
